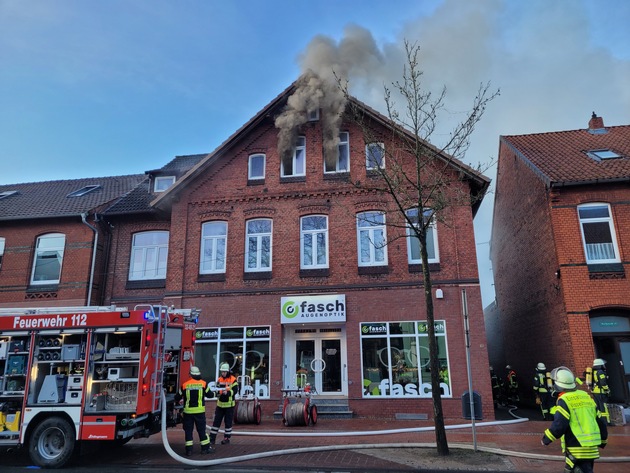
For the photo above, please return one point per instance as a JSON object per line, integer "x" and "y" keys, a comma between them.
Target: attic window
{"x": 83, "y": 191}
{"x": 7, "y": 194}
{"x": 313, "y": 115}
{"x": 162, "y": 183}
{"x": 602, "y": 154}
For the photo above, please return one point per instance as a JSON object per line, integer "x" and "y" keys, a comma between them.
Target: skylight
{"x": 7, "y": 194}
{"x": 83, "y": 191}
{"x": 602, "y": 154}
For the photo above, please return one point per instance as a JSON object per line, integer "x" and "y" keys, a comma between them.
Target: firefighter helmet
{"x": 224, "y": 367}
{"x": 508, "y": 367}
{"x": 562, "y": 378}
{"x": 194, "y": 371}
{"x": 541, "y": 367}
{"x": 599, "y": 362}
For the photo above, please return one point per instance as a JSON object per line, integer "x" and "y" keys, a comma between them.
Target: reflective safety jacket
{"x": 580, "y": 425}
{"x": 193, "y": 393}
{"x": 600, "y": 382}
{"x": 227, "y": 390}
{"x": 540, "y": 385}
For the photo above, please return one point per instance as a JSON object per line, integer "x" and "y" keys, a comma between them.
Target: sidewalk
{"x": 363, "y": 444}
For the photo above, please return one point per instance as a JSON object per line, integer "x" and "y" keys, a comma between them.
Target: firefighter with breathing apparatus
{"x": 577, "y": 422}
{"x": 542, "y": 389}
{"x": 193, "y": 393}
{"x": 600, "y": 388}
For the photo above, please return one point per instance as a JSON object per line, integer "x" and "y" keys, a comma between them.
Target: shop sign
{"x": 258, "y": 332}
{"x": 207, "y": 334}
{"x": 306, "y": 309}
{"x": 438, "y": 326}
{"x": 374, "y": 329}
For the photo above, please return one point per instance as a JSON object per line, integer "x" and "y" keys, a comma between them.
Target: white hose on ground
{"x": 292, "y": 451}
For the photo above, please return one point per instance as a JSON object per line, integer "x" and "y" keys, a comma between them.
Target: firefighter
{"x": 227, "y": 386}
{"x": 577, "y": 422}
{"x": 511, "y": 386}
{"x": 601, "y": 391}
{"x": 542, "y": 391}
{"x": 497, "y": 388}
{"x": 193, "y": 393}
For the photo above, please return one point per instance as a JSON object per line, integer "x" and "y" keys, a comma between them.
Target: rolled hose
{"x": 292, "y": 451}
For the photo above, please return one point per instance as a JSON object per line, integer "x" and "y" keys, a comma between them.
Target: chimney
{"x": 595, "y": 123}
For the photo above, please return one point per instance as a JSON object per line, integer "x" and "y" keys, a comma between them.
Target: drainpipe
{"x": 89, "y": 296}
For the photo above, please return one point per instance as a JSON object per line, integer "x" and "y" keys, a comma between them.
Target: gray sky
{"x": 93, "y": 88}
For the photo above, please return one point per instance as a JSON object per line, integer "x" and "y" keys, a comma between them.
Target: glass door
{"x": 320, "y": 361}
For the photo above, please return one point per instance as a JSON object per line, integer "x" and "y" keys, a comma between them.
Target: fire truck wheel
{"x": 52, "y": 443}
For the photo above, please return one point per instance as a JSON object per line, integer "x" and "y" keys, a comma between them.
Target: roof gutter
{"x": 589, "y": 182}
{"x": 89, "y": 295}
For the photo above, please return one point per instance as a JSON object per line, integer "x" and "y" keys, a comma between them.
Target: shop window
{"x": 395, "y": 359}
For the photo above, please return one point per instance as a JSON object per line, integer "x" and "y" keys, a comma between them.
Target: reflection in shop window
{"x": 245, "y": 349}
{"x": 395, "y": 359}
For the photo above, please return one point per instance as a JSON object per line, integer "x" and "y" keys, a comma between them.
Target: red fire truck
{"x": 76, "y": 374}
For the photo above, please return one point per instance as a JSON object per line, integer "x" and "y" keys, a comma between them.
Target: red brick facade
{"x": 546, "y": 293}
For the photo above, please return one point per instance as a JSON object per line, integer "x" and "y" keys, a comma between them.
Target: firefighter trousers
{"x": 221, "y": 414}
{"x": 190, "y": 422}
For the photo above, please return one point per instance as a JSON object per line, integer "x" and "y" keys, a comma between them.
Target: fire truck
{"x": 79, "y": 374}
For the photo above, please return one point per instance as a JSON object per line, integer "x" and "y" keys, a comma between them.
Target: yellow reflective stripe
{"x": 549, "y": 435}
{"x": 563, "y": 411}
{"x": 587, "y": 453}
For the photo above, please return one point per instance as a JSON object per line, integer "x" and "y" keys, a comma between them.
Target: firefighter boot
{"x": 225, "y": 441}
{"x": 188, "y": 451}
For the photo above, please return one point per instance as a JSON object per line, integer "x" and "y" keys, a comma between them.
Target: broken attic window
{"x": 83, "y": 191}
{"x": 602, "y": 154}
{"x": 7, "y": 194}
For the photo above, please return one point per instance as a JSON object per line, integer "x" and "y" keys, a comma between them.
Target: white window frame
{"x": 250, "y": 168}
{"x": 259, "y": 239}
{"x": 342, "y": 148}
{"x": 313, "y": 237}
{"x": 367, "y": 227}
{"x": 591, "y": 249}
{"x": 369, "y": 161}
{"x": 298, "y": 159}
{"x": 162, "y": 183}
{"x": 51, "y": 245}
{"x": 213, "y": 242}
{"x": 150, "y": 255}
{"x": 413, "y": 244}
{"x": 2, "y": 245}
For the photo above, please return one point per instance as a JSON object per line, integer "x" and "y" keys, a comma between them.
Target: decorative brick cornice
{"x": 260, "y": 211}
{"x": 224, "y": 214}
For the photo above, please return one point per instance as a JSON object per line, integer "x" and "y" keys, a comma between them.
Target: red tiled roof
{"x": 561, "y": 157}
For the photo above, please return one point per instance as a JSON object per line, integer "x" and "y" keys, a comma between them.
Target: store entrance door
{"x": 321, "y": 355}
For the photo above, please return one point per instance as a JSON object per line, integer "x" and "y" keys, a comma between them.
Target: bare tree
{"x": 423, "y": 180}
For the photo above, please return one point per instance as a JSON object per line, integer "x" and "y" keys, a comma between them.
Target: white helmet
{"x": 541, "y": 367}
{"x": 194, "y": 371}
{"x": 508, "y": 367}
{"x": 599, "y": 362}
{"x": 563, "y": 378}
{"x": 224, "y": 367}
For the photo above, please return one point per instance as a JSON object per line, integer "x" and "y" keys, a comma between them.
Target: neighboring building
{"x": 53, "y": 244}
{"x": 559, "y": 251}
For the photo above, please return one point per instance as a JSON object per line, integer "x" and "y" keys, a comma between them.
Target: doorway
{"x": 319, "y": 354}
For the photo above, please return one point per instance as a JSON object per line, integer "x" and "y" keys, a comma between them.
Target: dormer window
{"x": 84, "y": 190}
{"x": 162, "y": 183}
{"x": 602, "y": 154}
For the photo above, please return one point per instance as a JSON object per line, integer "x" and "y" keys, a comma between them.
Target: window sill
{"x": 337, "y": 176}
{"x": 146, "y": 284}
{"x": 42, "y": 288}
{"x": 366, "y": 270}
{"x": 417, "y": 268}
{"x": 606, "y": 271}
{"x": 255, "y": 182}
{"x": 315, "y": 273}
{"x": 218, "y": 277}
{"x": 288, "y": 179}
{"x": 257, "y": 275}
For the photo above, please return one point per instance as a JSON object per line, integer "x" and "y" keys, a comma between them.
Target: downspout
{"x": 89, "y": 296}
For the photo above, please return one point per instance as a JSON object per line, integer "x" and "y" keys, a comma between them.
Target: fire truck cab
{"x": 70, "y": 375}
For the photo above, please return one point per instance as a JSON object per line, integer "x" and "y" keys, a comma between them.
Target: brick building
{"x": 53, "y": 244}
{"x": 284, "y": 259}
{"x": 559, "y": 251}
